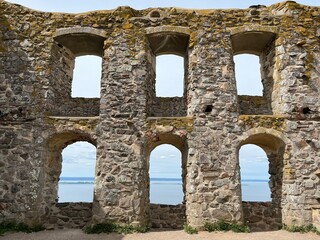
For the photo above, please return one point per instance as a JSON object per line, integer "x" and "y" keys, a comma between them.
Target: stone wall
{"x": 168, "y": 216}
{"x": 253, "y": 105}
{"x": 78, "y": 107}
{"x": 262, "y": 216}
{"x": 209, "y": 124}
{"x": 169, "y": 107}
{"x": 69, "y": 215}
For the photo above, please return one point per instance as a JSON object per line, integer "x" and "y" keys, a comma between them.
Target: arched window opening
{"x": 77, "y": 175}
{"x": 254, "y": 167}
{"x": 248, "y": 75}
{"x": 165, "y": 173}
{"x": 169, "y": 76}
{"x": 87, "y": 77}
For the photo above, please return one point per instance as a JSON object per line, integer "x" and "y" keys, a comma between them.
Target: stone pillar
{"x": 301, "y": 182}
{"x": 213, "y": 181}
{"x": 121, "y": 172}
{"x": 296, "y": 94}
{"x": 296, "y": 70}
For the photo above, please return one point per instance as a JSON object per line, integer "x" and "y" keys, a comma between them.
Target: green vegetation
{"x": 301, "y": 229}
{"x": 19, "y": 227}
{"x": 225, "y": 226}
{"x": 190, "y": 230}
{"x": 117, "y": 228}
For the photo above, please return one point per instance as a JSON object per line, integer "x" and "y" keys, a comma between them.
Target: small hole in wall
{"x": 306, "y": 110}
{"x": 155, "y": 14}
{"x": 208, "y": 109}
{"x": 305, "y": 80}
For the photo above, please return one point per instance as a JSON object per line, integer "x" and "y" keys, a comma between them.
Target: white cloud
{"x": 79, "y": 160}
{"x": 165, "y": 162}
{"x": 253, "y": 162}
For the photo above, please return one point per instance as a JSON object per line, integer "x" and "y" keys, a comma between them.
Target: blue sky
{"x": 81, "y": 156}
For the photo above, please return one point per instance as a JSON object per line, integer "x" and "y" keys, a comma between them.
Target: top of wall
{"x": 282, "y": 7}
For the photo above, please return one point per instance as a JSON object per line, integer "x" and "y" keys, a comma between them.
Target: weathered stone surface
{"x": 208, "y": 124}
{"x": 167, "y": 216}
{"x": 71, "y": 215}
{"x": 262, "y": 216}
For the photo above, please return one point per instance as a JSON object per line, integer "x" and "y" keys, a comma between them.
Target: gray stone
{"x": 209, "y": 123}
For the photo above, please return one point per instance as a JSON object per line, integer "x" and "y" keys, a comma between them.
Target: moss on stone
{"x": 87, "y": 124}
{"x": 176, "y": 122}
{"x": 267, "y": 121}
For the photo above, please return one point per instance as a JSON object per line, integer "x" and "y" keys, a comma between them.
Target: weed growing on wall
{"x": 117, "y": 228}
{"x": 225, "y": 226}
{"x": 19, "y": 227}
{"x": 301, "y": 229}
{"x": 190, "y": 230}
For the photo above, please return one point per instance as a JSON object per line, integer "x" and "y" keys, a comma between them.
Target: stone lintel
{"x": 73, "y": 118}
{"x": 168, "y": 39}
{"x": 276, "y": 122}
{"x": 85, "y": 124}
{"x": 252, "y": 38}
{"x": 168, "y": 29}
{"x": 81, "y": 40}
{"x": 185, "y": 123}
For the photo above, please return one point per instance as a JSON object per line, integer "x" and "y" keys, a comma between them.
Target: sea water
{"x": 162, "y": 190}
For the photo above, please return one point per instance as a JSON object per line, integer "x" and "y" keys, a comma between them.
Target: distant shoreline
{"x": 90, "y": 180}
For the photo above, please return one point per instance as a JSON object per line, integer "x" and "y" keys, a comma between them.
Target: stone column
{"x": 121, "y": 172}
{"x": 297, "y": 95}
{"x": 296, "y": 71}
{"x": 300, "y": 178}
{"x": 213, "y": 181}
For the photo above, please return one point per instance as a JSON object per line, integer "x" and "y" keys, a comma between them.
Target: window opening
{"x": 165, "y": 175}
{"x": 248, "y": 75}
{"x": 87, "y": 77}
{"x": 254, "y": 167}
{"x": 77, "y": 175}
{"x": 169, "y": 76}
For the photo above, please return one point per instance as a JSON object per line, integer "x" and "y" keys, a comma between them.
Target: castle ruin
{"x": 208, "y": 124}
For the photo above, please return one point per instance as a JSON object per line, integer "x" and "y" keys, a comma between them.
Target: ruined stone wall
{"x": 253, "y": 105}
{"x": 301, "y": 185}
{"x": 262, "y": 216}
{"x": 268, "y": 69}
{"x": 38, "y": 117}
{"x": 168, "y": 216}
{"x": 169, "y": 107}
{"x": 69, "y": 215}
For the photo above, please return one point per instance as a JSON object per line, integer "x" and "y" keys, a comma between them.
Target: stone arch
{"x": 168, "y": 40}
{"x": 56, "y": 143}
{"x": 252, "y": 39}
{"x": 175, "y": 140}
{"x": 274, "y": 144}
{"x": 81, "y": 40}
{"x": 162, "y": 215}
{"x": 263, "y": 131}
